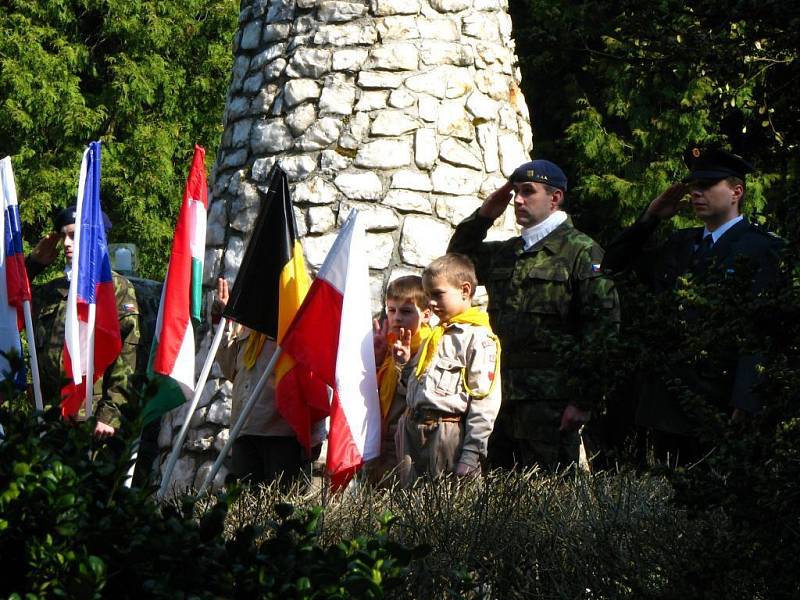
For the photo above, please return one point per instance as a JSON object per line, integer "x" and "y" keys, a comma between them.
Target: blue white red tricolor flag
{"x": 14, "y": 286}
{"x": 92, "y": 338}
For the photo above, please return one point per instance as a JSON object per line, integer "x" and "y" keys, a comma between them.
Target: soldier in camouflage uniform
{"x": 49, "y": 315}
{"x": 546, "y": 292}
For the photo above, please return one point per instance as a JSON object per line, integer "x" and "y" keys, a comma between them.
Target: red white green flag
{"x": 173, "y": 353}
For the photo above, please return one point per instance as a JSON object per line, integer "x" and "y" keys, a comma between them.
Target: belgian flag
{"x": 269, "y": 288}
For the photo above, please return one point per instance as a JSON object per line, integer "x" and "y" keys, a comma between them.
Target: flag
{"x": 331, "y": 335}
{"x": 91, "y": 326}
{"x": 269, "y": 288}
{"x": 172, "y": 353}
{"x": 14, "y": 286}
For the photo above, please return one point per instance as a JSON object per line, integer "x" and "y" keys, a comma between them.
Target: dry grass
{"x": 513, "y": 535}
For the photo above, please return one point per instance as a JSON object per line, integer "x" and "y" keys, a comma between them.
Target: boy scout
{"x": 453, "y": 392}
{"x": 407, "y": 310}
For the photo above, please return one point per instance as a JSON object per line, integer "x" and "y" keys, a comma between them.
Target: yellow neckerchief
{"x": 388, "y": 374}
{"x": 471, "y": 316}
{"x": 255, "y": 344}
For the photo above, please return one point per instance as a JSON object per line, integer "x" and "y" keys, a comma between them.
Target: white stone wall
{"x": 408, "y": 110}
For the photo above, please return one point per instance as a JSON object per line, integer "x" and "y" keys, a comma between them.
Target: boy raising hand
{"x": 453, "y": 381}
{"x": 407, "y": 311}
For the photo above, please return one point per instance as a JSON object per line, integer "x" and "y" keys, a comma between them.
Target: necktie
{"x": 703, "y": 250}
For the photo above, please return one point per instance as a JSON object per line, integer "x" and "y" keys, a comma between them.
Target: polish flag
{"x": 92, "y": 338}
{"x": 331, "y": 335}
{"x": 15, "y": 289}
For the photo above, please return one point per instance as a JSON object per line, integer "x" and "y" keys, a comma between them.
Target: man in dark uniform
{"x": 716, "y": 188}
{"x": 546, "y": 293}
{"x": 49, "y": 314}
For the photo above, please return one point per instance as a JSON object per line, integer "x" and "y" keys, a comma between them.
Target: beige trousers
{"x": 427, "y": 449}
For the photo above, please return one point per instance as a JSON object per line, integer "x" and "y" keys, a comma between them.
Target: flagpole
{"x": 90, "y": 359}
{"x": 37, "y": 385}
{"x": 134, "y": 456}
{"x": 198, "y": 390}
{"x": 240, "y": 421}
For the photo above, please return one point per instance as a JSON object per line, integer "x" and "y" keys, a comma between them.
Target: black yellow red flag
{"x": 269, "y": 288}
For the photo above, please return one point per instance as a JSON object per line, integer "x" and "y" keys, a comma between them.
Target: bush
{"x": 70, "y": 528}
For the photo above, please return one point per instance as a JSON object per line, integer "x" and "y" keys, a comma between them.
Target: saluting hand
{"x": 401, "y": 350}
{"x": 665, "y": 206}
{"x": 496, "y": 203}
{"x": 46, "y": 250}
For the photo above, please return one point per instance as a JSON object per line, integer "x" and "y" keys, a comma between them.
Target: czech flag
{"x": 92, "y": 337}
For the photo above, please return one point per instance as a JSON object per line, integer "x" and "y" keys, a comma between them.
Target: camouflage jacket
{"x": 541, "y": 302}
{"x": 49, "y": 313}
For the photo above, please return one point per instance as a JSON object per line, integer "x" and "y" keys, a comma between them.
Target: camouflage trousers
{"x": 428, "y": 448}
{"x": 526, "y": 434}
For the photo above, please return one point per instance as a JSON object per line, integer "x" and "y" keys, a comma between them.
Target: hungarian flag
{"x": 270, "y": 286}
{"x": 332, "y": 337}
{"x": 91, "y": 327}
{"x": 14, "y": 286}
{"x": 172, "y": 355}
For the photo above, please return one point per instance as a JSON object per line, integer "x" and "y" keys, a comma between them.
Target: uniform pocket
{"x": 447, "y": 377}
{"x": 548, "y": 290}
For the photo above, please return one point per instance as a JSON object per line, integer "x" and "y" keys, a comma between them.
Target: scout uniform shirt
{"x": 461, "y": 380}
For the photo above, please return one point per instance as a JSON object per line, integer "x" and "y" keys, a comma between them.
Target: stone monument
{"x": 408, "y": 110}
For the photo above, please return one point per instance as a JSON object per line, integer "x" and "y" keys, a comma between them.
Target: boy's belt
{"x": 431, "y": 416}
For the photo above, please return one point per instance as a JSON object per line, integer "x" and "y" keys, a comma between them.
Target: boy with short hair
{"x": 407, "y": 310}
{"x": 453, "y": 382}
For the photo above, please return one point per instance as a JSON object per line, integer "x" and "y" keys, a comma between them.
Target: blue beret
{"x": 540, "y": 171}
{"x": 67, "y": 217}
{"x": 714, "y": 164}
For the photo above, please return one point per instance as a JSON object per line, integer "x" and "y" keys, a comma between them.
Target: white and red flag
{"x": 173, "y": 352}
{"x": 15, "y": 289}
{"x": 331, "y": 335}
{"x": 92, "y": 338}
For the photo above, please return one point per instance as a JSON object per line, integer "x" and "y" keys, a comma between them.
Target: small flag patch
{"x": 596, "y": 268}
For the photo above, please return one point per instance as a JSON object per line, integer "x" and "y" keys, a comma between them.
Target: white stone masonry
{"x": 407, "y": 110}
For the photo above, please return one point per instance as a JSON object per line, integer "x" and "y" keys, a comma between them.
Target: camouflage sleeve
{"x": 118, "y": 375}
{"x": 33, "y": 267}
{"x": 597, "y": 293}
{"x": 468, "y": 239}
{"x": 482, "y": 376}
{"x": 599, "y": 316}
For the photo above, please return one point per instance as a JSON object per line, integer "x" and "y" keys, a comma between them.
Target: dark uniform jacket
{"x": 660, "y": 267}
{"x": 541, "y": 299}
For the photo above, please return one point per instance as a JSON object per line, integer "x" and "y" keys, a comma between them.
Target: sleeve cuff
{"x": 469, "y": 457}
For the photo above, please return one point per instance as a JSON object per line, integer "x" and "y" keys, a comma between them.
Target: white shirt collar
{"x": 68, "y": 271}
{"x": 720, "y": 231}
{"x": 535, "y": 233}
